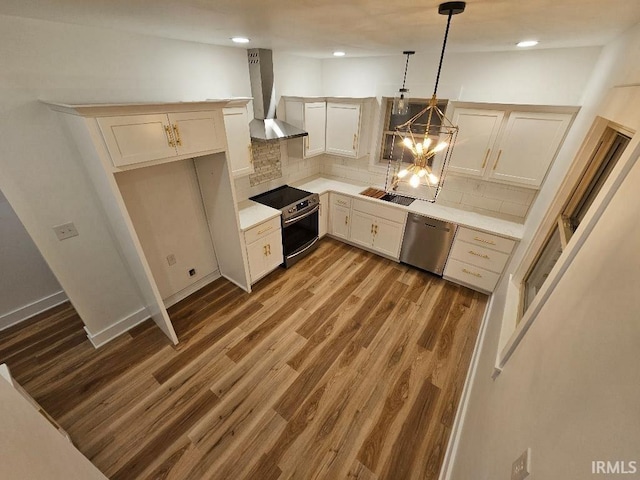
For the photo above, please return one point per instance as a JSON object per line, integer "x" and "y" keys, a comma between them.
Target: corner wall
{"x": 570, "y": 391}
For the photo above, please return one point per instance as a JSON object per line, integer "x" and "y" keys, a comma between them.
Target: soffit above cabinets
{"x": 363, "y": 28}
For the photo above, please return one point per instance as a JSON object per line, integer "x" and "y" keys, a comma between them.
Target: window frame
{"x": 515, "y": 324}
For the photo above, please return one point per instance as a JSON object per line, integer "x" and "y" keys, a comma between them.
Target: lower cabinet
{"x": 340, "y": 216}
{"x": 376, "y": 234}
{"x": 264, "y": 248}
{"x": 323, "y": 215}
{"x": 477, "y": 259}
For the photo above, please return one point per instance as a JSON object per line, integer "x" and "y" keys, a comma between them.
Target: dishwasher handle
{"x": 431, "y": 223}
{"x": 437, "y": 227}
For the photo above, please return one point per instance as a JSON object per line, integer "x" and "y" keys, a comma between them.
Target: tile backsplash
{"x": 267, "y": 162}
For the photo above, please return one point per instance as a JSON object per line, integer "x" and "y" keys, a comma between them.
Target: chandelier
{"x": 400, "y": 103}
{"x": 427, "y": 138}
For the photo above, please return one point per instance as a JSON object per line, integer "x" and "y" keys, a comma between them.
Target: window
{"x": 602, "y": 161}
{"x": 390, "y": 146}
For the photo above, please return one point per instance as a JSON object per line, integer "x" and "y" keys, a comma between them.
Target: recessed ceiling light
{"x": 527, "y": 43}
{"x": 240, "y": 40}
{"x": 339, "y": 54}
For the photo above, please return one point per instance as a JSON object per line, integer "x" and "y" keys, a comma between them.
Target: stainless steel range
{"x": 299, "y": 220}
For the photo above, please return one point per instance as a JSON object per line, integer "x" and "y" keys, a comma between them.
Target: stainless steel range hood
{"x": 265, "y": 125}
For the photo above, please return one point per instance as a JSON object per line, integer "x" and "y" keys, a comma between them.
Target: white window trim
{"x": 512, "y": 332}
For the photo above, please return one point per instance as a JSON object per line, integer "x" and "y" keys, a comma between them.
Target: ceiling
{"x": 360, "y": 27}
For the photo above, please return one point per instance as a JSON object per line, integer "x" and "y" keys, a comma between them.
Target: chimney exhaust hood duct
{"x": 265, "y": 126}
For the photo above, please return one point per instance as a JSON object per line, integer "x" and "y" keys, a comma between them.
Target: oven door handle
{"x": 295, "y": 219}
{"x": 311, "y": 244}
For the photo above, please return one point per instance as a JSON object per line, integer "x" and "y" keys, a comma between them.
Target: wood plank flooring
{"x": 346, "y": 366}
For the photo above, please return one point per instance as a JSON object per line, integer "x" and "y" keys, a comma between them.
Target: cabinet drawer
{"x": 379, "y": 211}
{"x": 259, "y": 231}
{"x": 341, "y": 200}
{"x": 485, "y": 240}
{"x": 479, "y": 256}
{"x": 471, "y": 275}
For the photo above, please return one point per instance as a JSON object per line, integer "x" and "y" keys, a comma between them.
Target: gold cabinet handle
{"x": 479, "y": 254}
{"x": 177, "y": 134}
{"x": 375, "y": 230}
{"x": 167, "y": 130}
{"x": 355, "y": 139}
{"x": 497, "y": 159}
{"x": 484, "y": 163}
{"x": 268, "y": 249}
{"x": 475, "y": 274}
{"x": 264, "y": 250}
{"x": 346, "y": 220}
{"x": 488, "y": 242}
{"x": 260, "y": 232}
{"x": 372, "y": 229}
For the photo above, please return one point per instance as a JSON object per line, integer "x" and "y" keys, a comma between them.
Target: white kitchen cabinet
{"x": 323, "y": 215}
{"x": 310, "y": 116}
{"x": 348, "y": 128}
{"x": 507, "y": 146}
{"x": 133, "y": 139}
{"x": 236, "y": 125}
{"x": 264, "y": 248}
{"x": 477, "y": 259}
{"x": 377, "y": 227}
{"x": 340, "y": 216}
{"x": 528, "y": 146}
{"x": 478, "y": 130}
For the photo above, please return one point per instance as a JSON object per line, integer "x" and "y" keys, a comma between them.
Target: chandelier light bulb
{"x": 415, "y": 181}
{"x": 432, "y": 178}
{"x": 419, "y": 148}
{"x": 403, "y": 173}
{"x": 426, "y": 143}
{"x": 408, "y": 143}
{"x": 422, "y": 172}
{"x": 441, "y": 146}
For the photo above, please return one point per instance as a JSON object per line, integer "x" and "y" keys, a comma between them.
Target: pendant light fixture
{"x": 400, "y": 103}
{"x": 427, "y": 140}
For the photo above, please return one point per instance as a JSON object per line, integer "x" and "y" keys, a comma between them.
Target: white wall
{"x": 543, "y": 77}
{"x": 27, "y": 285}
{"x": 570, "y": 391}
{"x": 42, "y": 176}
{"x": 166, "y": 208}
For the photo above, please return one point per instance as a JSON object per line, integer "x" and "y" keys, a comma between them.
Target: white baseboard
{"x": 194, "y": 287}
{"x": 446, "y": 471}
{"x": 98, "y": 339}
{"x": 24, "y": 313}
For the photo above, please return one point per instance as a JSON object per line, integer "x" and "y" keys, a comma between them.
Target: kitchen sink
{"x": 399, "y": 199}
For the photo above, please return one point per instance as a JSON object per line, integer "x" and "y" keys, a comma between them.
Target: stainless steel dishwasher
{"x": 427, "y": 242}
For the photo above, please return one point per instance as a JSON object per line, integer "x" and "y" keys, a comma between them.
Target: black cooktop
{"x": 281, "y": 197}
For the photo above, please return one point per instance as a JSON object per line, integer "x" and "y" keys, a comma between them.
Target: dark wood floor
{"x": 345, "y": 366}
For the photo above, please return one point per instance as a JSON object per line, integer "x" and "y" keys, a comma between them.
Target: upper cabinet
{"x": 132, "y": 139}
{"x": 310, "y": 116}
{"x": 508, "y": 146}
{"x": 337, "y": 126}
{"x": 236, "y": 124}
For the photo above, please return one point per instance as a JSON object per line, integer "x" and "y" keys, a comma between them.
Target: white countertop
{"x": 252, "y": 213}
{"x": 473, "y": 220}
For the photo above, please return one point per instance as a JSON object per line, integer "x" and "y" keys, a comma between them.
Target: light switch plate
{"x": 522, "y": 466}
{"x": 65, "y": 231}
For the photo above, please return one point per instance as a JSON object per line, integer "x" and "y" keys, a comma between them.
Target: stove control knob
{"x": 291, "y": 210}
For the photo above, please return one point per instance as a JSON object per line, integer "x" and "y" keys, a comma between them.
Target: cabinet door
{"x": 362, "y": 228}
{"x": 343, "y": 128}
{"x": 275, "y": 254}
{"x": 387, "y": 237}
{"x": 137, "y": 138}
{"x": 323, "y": 215}
{"x": 477, "y": 133}
{"x": 340, "y": 221}
{"x": 528, "y": 146}
{"x": 236, "y": 125}
{"x": 257, "y": 253}
{"x": 197, "y": 132}
{"x": 315, "y": 121}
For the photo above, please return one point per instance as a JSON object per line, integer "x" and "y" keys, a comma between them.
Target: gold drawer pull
{"x": 488, "y": 242}
{"x": 346, "y": 220}
{"x": 269, "y": 249}
{"x": 260, "y": 232}
{"x": 264, "y": 250}
{"x": 167, "y": 130}
{"x": 497, "y": 159}
{"x": 372, "y": 229}
{"x": 479, "y": 254}
{"x": 177, "y": 132}
{"x": 484, "y": 163}
{"x": 355, "y": 139}
{"x": 475, "y": 274}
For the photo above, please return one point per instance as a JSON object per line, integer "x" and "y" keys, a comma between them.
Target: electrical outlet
{"x": 192, "y": 272}
{"x": 65, "y": 231}
{"x": 521, "y": 468}
{"x": 171, "y": 259}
